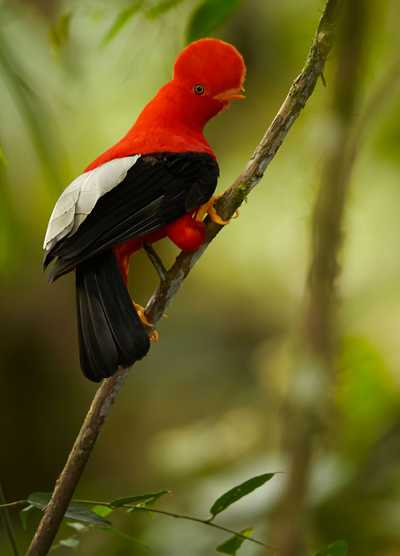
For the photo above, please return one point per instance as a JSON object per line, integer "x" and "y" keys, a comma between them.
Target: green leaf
{"x": 161, "y": 8}
{"x": 142, "y": 499}
{"x": 59, "y": 32}
{"x": 338, "y": 548}
{"x": 75, "y": 511}
{"x": 210, "y": 15}
{"x": 23, "y": 515}
{"x": 232, "y": 545}
{"x": 121, "y": 20}
{"x": 70, "y": 542}
{"x": 102, "y": 511}
{"x": 238, "y": 492}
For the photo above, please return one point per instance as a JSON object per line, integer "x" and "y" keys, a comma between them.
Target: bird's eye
{"x": 199, "y": 89}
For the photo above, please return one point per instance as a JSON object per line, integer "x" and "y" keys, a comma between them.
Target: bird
{"x": 157, "y": 181}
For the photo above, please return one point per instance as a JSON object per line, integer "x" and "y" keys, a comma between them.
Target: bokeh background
{"x": 205, "y": 410}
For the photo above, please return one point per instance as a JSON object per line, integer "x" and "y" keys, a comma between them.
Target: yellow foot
{"x": 208, "y": 208}
{"x": 152, "y": 332}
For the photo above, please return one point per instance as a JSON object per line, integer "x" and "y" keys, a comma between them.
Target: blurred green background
{"x": 205, "y": 409}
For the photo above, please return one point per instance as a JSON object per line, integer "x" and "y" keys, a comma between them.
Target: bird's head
{"x": 208, "y": 74}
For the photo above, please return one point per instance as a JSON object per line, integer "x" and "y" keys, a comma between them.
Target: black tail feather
{"x": 110, "y": 331}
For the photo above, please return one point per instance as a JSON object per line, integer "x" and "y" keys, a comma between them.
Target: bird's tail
{"x": 111, "y": 334}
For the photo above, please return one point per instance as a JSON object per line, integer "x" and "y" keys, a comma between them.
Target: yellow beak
{"x": 231, "y": 94}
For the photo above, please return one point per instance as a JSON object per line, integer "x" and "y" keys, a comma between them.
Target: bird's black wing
{"x": 157, "y": 189}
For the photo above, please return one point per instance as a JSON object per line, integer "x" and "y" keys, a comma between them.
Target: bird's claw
{"x": 154, "y": 336}
{"x": 209, "y": 208}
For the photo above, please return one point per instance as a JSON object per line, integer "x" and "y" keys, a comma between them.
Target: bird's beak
{"x": 231, "y": 94}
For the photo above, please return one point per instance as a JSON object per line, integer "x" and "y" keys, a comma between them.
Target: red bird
{"x": 157, "y": 181}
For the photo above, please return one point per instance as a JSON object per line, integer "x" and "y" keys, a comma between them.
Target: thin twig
{"x": 176, "y": 516}
{"x": 299, "y": 93}
{"x": 8, "y": 526}
{"x": 204, "y": 522}
{"x": 154, "y": 511}
{"x": 12, "y": 505}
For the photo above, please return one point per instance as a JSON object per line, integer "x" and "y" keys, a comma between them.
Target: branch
{"x": 297, "y": 97}
{"x": 300, "y": 91}
{"x": 147, "y": 509}
{"x": 76, "y": 463}
{"x": 204, "y": 522}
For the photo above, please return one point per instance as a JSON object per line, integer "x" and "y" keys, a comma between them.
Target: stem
{"x": 174, "y": 515}
{"x": 8, "y": 526}
{"x": 155, "y": 511}
{"x": 204, "y": 522}
{"x": 208, "y": 521}
{"x": 299, "y": 93}
{"x": 13, "y": 504}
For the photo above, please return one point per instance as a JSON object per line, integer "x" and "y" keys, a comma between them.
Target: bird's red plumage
{"x": 173, "y": 121}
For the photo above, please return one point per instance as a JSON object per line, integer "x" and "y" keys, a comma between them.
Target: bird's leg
{"x": 123, "y": 261}
{"x": 152, "y": 332}
{"x": 208, "y": 208}
{"x": 156, "y": 261}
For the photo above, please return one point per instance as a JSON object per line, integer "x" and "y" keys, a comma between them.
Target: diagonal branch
{"x": 299, "y": 93}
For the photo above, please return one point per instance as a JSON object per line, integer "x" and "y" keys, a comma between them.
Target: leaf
{"x": 161, "y": 8}
{"x": 232, "y": 545}
{"x": 210, "y": 15}
{"x": 59, "y": 32}
{"x": 23, "y": 515}
{"x": 121, "y": 20}
{"x": 338, "y": 548}
{"x": 238, "y": 492}
{"x": 70, "y": 542}
{"x": 102, "y": 511}
{"x": 75, "y": 511}
{"x": 142, "y": 499}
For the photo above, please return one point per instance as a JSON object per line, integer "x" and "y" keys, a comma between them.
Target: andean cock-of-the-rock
{"x": 157, "y": 181}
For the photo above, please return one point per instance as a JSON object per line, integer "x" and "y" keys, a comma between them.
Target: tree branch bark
{"x": 299, "y": 93}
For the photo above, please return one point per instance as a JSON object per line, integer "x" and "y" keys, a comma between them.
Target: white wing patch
{"x": 80, "y": 197}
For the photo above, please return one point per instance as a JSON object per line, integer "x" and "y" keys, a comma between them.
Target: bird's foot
{"x": 209, "y": 208}
{"x": 151, "y": 330}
